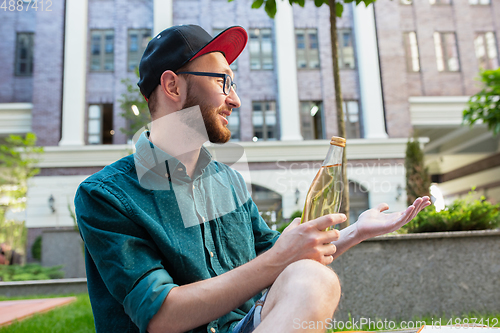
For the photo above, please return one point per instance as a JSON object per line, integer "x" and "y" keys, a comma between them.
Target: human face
{"x": 207, "y": 93}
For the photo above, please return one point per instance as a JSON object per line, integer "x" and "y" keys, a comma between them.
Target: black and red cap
{"x": 174, "y": 47}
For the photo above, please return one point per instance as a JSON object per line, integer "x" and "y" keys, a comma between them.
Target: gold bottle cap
{"x": 337, "y": 141}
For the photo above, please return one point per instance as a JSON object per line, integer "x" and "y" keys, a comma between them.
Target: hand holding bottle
{"x": 309, "y": 240}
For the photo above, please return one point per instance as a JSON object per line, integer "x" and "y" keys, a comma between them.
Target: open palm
{"x": 374, "y": 222}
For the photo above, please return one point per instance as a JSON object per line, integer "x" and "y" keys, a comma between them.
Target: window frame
{"x": 345, "y": 103}
{"x": 341, "y": 49}
{"x": 29, "y": 58}
{"x": 486, "y": 49}
{"x": 441, "y": 3}
{"x": 307, "y": 48}
{"x": 264, "y": 125}
{"x": 102, "y": 52}
{"x": 235, "y": 114}
{"x": 308, "y": 105}
{"x": 445, "y": 58}
{"x": 479, "y": 3}
{"x": 103, "y": 139}
{"x": 141, "y": 32}
{"x": 260, "y": 56}
{"x": 409, "y": 57}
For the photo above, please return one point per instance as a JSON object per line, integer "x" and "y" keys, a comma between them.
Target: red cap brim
{"x": 230, "y": 42}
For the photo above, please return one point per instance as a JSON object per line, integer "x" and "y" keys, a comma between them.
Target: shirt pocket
{"x": 237, "y": 239}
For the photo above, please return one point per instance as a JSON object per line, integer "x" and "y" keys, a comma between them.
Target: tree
{"x": 418, "y": 181}
{"x": 485, "y": 105}
{"x": 336, "y": 10}
{"x": 17, "y": 166}
{"x": 135, "y": 108}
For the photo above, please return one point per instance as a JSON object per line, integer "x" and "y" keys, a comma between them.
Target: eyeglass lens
{"x": 228, "y": 85}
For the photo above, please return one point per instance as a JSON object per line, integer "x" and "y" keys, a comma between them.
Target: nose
{"x": 233, "y": 100}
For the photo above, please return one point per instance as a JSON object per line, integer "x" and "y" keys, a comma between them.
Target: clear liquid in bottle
{"x": 325, "y": 193}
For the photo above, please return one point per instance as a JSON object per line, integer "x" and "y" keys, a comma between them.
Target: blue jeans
{"x": 252, "y": 319}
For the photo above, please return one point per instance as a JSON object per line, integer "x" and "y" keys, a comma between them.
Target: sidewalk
{"x": 20, "y": 309}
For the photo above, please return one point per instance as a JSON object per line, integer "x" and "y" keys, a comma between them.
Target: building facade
{"x": 64, "y": 67}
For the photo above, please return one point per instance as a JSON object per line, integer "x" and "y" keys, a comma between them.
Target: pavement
{"x": 21, "y": 309}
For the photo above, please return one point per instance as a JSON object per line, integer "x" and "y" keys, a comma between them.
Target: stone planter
{"x": 403, "y": 276}
{"x": 64, "y": 247}
{"x": 43, "y": 287}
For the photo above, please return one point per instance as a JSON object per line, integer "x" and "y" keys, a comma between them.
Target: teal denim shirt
{"x": 142, "y": 221}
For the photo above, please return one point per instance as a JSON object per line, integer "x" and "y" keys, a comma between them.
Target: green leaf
{"x": 339, "y": 9}
{"x": 256, "y": 4}
{"x": 270, "y": 8}
{"x": 319, "y": 3}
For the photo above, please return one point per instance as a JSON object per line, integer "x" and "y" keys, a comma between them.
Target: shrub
{"x": 36, "y": 248}
{"x": 462, "y": 215}
{"x": 29, "y": 272}
{"x": 297, "y": 213}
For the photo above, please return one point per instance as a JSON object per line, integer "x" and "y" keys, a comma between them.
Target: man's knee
{"x": 311, "y": 276}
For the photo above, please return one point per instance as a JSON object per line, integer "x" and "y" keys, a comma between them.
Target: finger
{"x": 416, "y": 204}
{"x": 330, "y": 236}
{"x": 406, "y": 215}
{"x": 382, "y": 207}
{"x": 323, "y": 222}
{"x": 328, "y": 249}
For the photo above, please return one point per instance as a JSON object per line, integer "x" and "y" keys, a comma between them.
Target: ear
{"x": 171, "y": 86}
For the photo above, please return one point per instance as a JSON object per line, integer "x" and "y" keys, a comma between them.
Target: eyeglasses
{"x": 228, "y": 81}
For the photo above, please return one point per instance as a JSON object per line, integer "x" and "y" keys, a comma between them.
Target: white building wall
{"x": 63, "y": 189}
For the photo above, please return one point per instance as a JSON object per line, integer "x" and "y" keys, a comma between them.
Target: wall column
{"x": 162, "y": 15}
{"x": 286, "y": 65}
{"x": 75, "y": 73}
{"x": 369, "y": 72}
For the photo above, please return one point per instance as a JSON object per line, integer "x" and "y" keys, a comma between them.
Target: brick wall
{"x": 48, "y": 73}
{"x": 393, "y": 19}
{"x": 14, "y": 89}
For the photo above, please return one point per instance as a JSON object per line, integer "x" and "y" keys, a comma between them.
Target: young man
{"x": 174, "y": 242}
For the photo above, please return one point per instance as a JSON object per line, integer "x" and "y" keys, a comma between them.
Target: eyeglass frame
{"x": 232, "y": 84}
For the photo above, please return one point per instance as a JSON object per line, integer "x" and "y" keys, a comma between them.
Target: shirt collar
{"x": 152, "y": 158}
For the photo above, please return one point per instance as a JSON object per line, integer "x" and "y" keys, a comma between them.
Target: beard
{"x": 217, "y": 133}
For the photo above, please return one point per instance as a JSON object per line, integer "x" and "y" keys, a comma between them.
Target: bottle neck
{"x": 334, "y": 156}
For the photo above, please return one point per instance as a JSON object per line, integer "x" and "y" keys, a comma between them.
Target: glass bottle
{"x": 325, "y": 194}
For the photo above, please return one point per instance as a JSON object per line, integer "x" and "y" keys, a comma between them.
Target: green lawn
{"x": 75, "y": 317}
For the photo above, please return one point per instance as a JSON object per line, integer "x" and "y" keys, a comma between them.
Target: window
{"x": 306, "y": 41}
{"x": 405, "y": 2}
{"x": 411, "y": 50}
{"x": 234, "y": 124}
{"x": 24, "y": 54}
{"x": 234, "y": 65}
{"x": 440, "y": 2}
{"x": 446, "y": 51}
{"x": 102, "y": 50}
{"x": 351, "y": 118}
{"x": 479, "y": 2}
{"x": 486, "y": 50}
{"x": 100, "y": 124}
{"x": 264, "y": 120}
{"x": 311, "y": 122}
{"x": 137, "y": 41}
{"x": 346, "y": 48}
{"x": 261, "y": 49}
